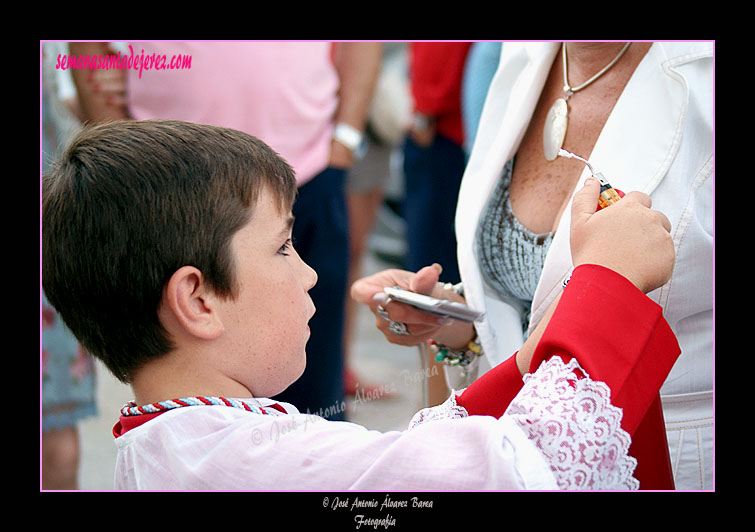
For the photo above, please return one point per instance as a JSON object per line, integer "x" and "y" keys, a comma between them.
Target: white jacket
{"x": 658, "y": 140}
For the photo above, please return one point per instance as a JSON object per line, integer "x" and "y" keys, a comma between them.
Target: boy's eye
{"x": 285, "y": 248}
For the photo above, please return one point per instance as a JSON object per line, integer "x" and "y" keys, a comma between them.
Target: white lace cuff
{"x": 570, "y": 421}
{"x": 575, "y": 427}
{"x": 448, "y": 410}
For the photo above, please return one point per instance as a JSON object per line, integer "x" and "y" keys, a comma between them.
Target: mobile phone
{"x": 431, "y": 305}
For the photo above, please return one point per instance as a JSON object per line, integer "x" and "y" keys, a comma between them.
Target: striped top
{"x": 511, "y": 256}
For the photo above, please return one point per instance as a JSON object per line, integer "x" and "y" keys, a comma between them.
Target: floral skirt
{"x": 67, "y": 375}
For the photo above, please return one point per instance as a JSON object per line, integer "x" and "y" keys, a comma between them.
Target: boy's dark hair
{"x": 126, "y": 205}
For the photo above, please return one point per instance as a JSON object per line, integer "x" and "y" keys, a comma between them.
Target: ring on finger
{"x": 381, "y": 310}
{"x": 398, "y": 328}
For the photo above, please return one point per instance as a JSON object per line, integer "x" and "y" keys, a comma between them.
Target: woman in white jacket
{"x": 646, "y": 123}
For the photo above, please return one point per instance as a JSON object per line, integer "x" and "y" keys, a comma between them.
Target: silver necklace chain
{"x": 569, "y": 90}
{"x": 557, "y": 120}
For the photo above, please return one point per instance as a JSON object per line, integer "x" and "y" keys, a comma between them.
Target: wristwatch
{"x": 352, "y": 138}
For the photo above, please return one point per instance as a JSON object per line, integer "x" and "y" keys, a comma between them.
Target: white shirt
{"x": 224, "y": 448}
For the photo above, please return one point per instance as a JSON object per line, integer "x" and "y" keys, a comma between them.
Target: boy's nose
{"x": 311, "y": 276}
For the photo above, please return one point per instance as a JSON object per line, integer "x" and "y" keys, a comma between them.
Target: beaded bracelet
{"x": 454, "y": 357}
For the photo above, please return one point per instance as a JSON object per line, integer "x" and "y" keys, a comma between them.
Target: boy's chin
{"x": 300, "y": 373}
{"x": 288, "y": 375}
{"x": 295, "y": 376}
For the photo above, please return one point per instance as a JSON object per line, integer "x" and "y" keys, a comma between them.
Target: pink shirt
{"x": 284, "y": 93}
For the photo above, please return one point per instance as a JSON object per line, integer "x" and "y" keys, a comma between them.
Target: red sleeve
{"x": 491, "y": 394}
{"x": 650, "y": 448}
{"x": 619, "y": 337}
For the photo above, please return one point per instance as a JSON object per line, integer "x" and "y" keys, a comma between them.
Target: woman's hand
{"x": 420, "y": 326}
{"x": 627, "y": 237}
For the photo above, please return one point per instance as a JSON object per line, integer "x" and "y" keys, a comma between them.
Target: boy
{"x": 167, "y": 251}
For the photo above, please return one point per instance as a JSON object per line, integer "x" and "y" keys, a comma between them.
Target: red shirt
{"x": 436, "y": 72}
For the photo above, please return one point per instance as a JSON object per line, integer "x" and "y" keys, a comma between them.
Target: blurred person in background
{"x": 434, "y": 156}
{"x": 67, "y": 371}
{"x": 309, "y": 102}
{"x": 368, "y": 184}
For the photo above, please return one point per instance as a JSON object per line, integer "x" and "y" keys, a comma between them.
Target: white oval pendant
{"x": 555, "y": 129}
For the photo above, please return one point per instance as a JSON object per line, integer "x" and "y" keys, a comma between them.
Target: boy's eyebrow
{"x": 289, "y": 223}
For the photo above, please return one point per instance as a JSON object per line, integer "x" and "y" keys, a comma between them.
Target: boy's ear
{"x": 193, "y": 304}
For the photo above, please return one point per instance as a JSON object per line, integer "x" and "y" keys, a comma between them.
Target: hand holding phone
{"x": 431, "y": 305}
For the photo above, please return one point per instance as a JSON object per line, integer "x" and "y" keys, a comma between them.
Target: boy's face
{"x": 266, "y": 324}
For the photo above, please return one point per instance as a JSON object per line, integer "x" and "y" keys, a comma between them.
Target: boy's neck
{"x": 165, "y": 378}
